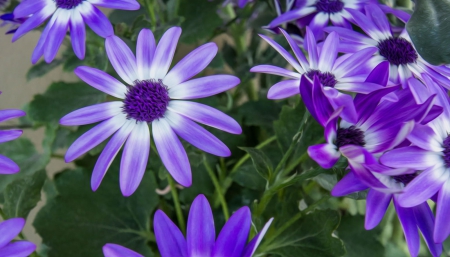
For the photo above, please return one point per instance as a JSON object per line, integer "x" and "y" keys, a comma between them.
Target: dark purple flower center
{"x": 447, "y": 151}
{"x": 146, "y": 101}
{"x": 329, "y": 6}
{"x": 68, "y": 4}
{"x": 327, "y": 79}
{"x": 405, "y": 178}
{"x": 349, "y": 136}
{"x": 397, "y": 50}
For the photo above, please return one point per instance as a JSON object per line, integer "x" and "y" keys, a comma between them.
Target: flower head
{"x": 9, "y": 229}
{"x": 66, "y": 15}
{"x": 200, "y": 236}
{"x": 153, "y": 97}
{"x": 7, "y": 166}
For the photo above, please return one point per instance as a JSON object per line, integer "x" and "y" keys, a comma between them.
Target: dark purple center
{"x": 397, "y": 50}
{"x": 68, "y": 4}
{"x": 405, "y": 178}
{"x": 447, "y": 151}
{"x": 349, "y": 136}
{"x": 329, "y": 6}
{"x": 146, "y": 101}
{"x": 327, "y": 79}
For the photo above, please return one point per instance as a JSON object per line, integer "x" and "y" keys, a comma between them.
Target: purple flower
{"x": 9, "y": 229}
{"x": 7, "y": 166}
{"x": 200, "y": 236}
{"x": 8, "y": 19}
{"x": 339, "y": 73}
{"x": 114, "y": 250}
{"x": 153, "y": 96}
{"x": 66, "y": 15}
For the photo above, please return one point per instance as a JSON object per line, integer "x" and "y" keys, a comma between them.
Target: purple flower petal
{"x": 269, "y": 69}
{"x": 410, "y": 157}
{"x": 207, "y": 115}
{"x": 96, "y": 20}
{"x": 10, "y": 114}
{"x": 356, "y": 60}
{"x": 102, "y": 81}
{"x": 297, "y": 51}
{"x": 319, "y": 22}
{"x": 172, "y": 152}
{"x": 129, "y": 5}
{"x": 442, "y": 227}
{"x": 56, "y": 34}
{"x": 34, "y": 21}
{"x": 311, "y": 48}
{"x": 377, "y": 204}
{"x": 425, "y": 222}
{"x": 18, "y": 248}
{"x": 380, "y": 74}
{"x": 92, "y": 114}
{"x": 145, "y": 50}
{"x": 203, "y": 87}
{"x": 164, "y": 53}
{"x": 425, "y": 138}
{"x": 168, "y": 237}
{"x": 291, "y": 15}
{"x": 407, "y": 220}
{"x": 39, "y": 49}
{"x": 9, "y": 229}
{"x": 379, "y": 19}
{"x": 27, "y": 8}
{"x": 109, "y": 153}
{"x": 358, "y": 87}
{"x": 307, "y": 96}
{"x": 352, "y": 36}
{"x": 233, "y": 236}
{"x": 250, "y": 249}
{"x": 201, "y": 232}
{"x": 8, "y": 135}
{"x": 284, "y": 89}
{"x": 114, "y": 250}
{"x": 132, "y": 166}
{"x": 122, "y": 59}
{"x": 326, "y": 155}
{"x": 366, "y": 24}
{"x": 78, "y": 34}
{"x": 322, "y": 106}
{"x": 347, "y": 185}
{"x": 7, "y": 166}
{"x": 191, "y": 65}
{"x": 291, "y": 60}
{"x": 329, "y": 52}
{"x": 338, "y": 99}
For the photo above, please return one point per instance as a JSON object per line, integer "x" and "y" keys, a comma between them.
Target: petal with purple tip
{"x": 250, "y": 249}
{"x": 122, "y": 59}
{"x": 319, "y": 22}
{"x": 10, "y": 114}
{"x": 407, "y": 220}
{"x": 284, "y": 89}
{"x": 8, "y": 135}
{"x": 145, "y": 50}
{"x": 9, "y": 229}
{"x": 200, "y": 233}
{"x": 96, "y": 20}
{"x": 92, "y": 114}
{"x": 425, "y": 138}
{"x": 377, "y": 204}
{"x": 39, "y": 49}
{"x": 326, "y": 155}
{"x": 366, "y": 24}
{"x": 203, "y": 87}
{"x": 329, "y": 52}
{"x": 34, "y": 21}
{"x": 269, "y": 69}
{"x": 347, "y": 185}
{"x": 168, "y": 237}
{"x": 27, "y": 8}
{"x": 56, "y": 34}
{"x": 425, "y": 221}
{"x": 410, "y": 157}
{"x": 442, "y": 226}
{"x": 102, "y": 81}
{"x": 297, "y": 51}
{"x": 379, "y": 19}
{"x": 7, "y": 166}
{"x": 78, "y": 34}
{"x": 322, "y": 106}
{"x": 286, "y": 55}
{"x": 311, "y": 48}
{"x": 114, "y": 250}
{"x": 129, "y": 5}
{"x": 356, "y": 60}
{"x": 291, "y": 15}
{"x": 18, "y": 249}
{"x": 164, "y": 53}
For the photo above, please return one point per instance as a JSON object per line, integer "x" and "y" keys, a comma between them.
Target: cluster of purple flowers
{"x": 384, "y": 108}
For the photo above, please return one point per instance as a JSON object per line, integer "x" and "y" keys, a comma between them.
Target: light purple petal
{"x": 326, "y": 155}
{"x": 297, "y": 51}
{"x": 169, "y": 239}
{"x": 132, "y": 166}
{"x": 114, "y": 250}
{"x": 338, "y": 99}
{"x": 347, "y": 185}
{"x": 291, "y": 15}
{"x": 8, "y": 135}
{"x": 319, "y": 22}
{"x": 9, "y": 229}
{"x": 122, "y": 59}
{"x": 164, "y": 53}
{"x": 129, "y": 5}
{"x": 377, "y": 204}
{"x": 96, "y": 20}
{"x": 379, "y": 19}
{"x": 196, "y": 135}
{"x": 94, "y": 136}
{"x": 18, "y": 249}
{"x": 109, "y": 153}
{"x": 269, "y": 69}
{"x": 311, "y": 48}
{"x": 172, "y": 152}
{"x": 78, "y": 34}
{"x": 407, "y": 220}
{"x": 442, "y": 227}
{"x": 358, "y": 87}
{"x": 145, "y": 50}
{"x": 410, "y": 157}
{"x": 233, "y": 236}
{"x": 425, "y": 221}
{"x": 286, "y": 55}
{"x": 366, "y": 24}
{"x": 425, "y": 138}
{"x": 92, "y": 114}
{"x": 7, "y": 166}
{"x": 329, "y": 52}
{"x": 207, "y": 115}
{"x": 10, "y": 114}
{"x": 39, "y": 49}
{"x": 56, "y": 34}
{"x": 354, "y": 61}
{"x": 352, "y": 36}
{"x": 34, "y": 21}
{"x": 250, "y": 249}
{"x": 102, "y": 81}
{"x": 27, "y": 8}
{"x": 203, "y": 87}
{"x": 201, "y": 232}
{"x": 284, "y": 89}
{"x": 191, "y": 65}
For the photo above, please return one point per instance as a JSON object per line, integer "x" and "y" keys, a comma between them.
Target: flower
{"x": 153, "y": 96}
{"x": 7, "y": 166}
{"x": 9, "y": 229}
{"x": 8, "y": 19}
{"x": 200, "y": 236}
{"x": 114, "y": 250}
{"x": 66, "y": 14}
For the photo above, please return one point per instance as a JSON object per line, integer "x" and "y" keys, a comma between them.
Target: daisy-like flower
{"x": 403, "y": 58}
{"x": 9, "y": 229}
{"x": 153, "y": 97}
{"x": 66, "y": 15}
{"x": 9, "y": 19}
{"x": 114, "y": 250}
{"x": 200, "y": 236}
{"x": 7, "y": 166}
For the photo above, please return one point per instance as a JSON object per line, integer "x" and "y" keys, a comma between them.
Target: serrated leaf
{"x": 42, "y": 68}
{"x": 22, "y": 195}
{"x": 261, "y": 162}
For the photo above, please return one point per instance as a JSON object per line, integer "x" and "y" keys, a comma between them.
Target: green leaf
{"x": 429, "y": 30}
{"x": 261, "y": 113}
{"x": 23, "y": 194}
{"x": 286, "y": 127}
{"x": 247, "y": 176}
{"x": 60, "y": 99}
{"x": 309, "y": 236}
{"x": 358, "y": 241}
{"x": 261, "y": 162}
{"x": 77, "y": 222}
{"x": 42, "y": 68}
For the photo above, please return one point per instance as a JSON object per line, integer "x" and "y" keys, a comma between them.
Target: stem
{"x": 176, "y": 200}
{"x": 247, "y": 156}
{"x": 226, "y": 214}
{"x": 151, "y": 12}
{"x": 2, "y": 214}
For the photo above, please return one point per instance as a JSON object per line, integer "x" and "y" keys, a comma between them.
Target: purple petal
{"x": 10, "y": 114}
{"x": 380, "y": 74}
{"x": 291, "y": 15}
{"x": 169, "y": 239}
{"x": 18, "y": 249}
{"x": 78, "y": 34}
{"x": 356, "y": 60}
{"x": 284, "y": 89}
{"x": 129, "y": 5}
{"x": 379, "y": 19}
{"x": 145, "y": 50}
{"x": 352, "y": 36}
{"x": 326, "y": 155}
{"x": 425, "y": 221}
{"x": 311, "y": 48}
{"x": 109, "y": 153}
{"x": 358, "y": 87}
{"x": 201, "y": 232}
{"x": 94, "y": 136}
{"x": 233, "y": 236}
{"x": 297, "y": 51}
{"x": 338, "y": 99}
{"x": 9, "y": 229}
{"x": 366, "y": 24}
{"x": 114, "y": 250}
{"x": 7, "y": 166}
{"x": 102, "y": 81}
{"x": 171, "y": 152}
{"x": 425, "y": 138}
{"x": 8, "y": 135}
{"x": 286, "y": 55}
{"x": 122, "y": 59}
{"x": 442, "y": 227}
{"x": 164, "y": 53}
{"x": 347, "y": 185}
{"x": 56, "y": 34}
{"x": 329, "y": 52}
{"x": 34, "y": 21}
{"x": 207, "y": 115}
{"x": 407, "y": 220}
{"x": 250, "y": 249}
{"x": 331, "y": 126}
{"x": 377, "y": 204}
{"x": 319, "y": 22}
{"x": 27, "y": 8}
{"x": 39, "y": 49}
{"x": 191, "y": 65}
{"x": 307, "y": 96}
{"x": 132, "y": 166}
{"x": 269, "y": 69}
{"x": 322, "y": 106}
{"x": 410, "y": 157}
{"x": 92, "y": 114}
{"x": 96, "y": 20}
{"x": 402, "y": 15}
{"x": 203, "y": 87}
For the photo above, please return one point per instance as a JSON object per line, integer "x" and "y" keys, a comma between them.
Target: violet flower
{"x": 200, "y": 236}
{"x": 114, "y": 250}
{"x": 9, "y": 229}
{"x": 153, "y": 96}
{"x": 66, "y": 15}
{"x": 7, "y": 166}
{"x": 14, "y": 23}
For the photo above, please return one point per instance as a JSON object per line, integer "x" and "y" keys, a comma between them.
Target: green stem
{"x": 151, "y": 12}
{"x": 247, "y": 156}
{"x": 226, "y": 214}
{"x": 176, "y": 200}
{"x": 3, "y": 214}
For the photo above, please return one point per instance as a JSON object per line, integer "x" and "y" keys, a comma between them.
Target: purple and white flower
{"x": 115, "y": 250}
{"x": 9, "y": 229}
{"x": 66, "y": 15}
{"x": 153, "y": 96}
{"x": 7, "y": 166}
{"x": 200, "y": 236}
